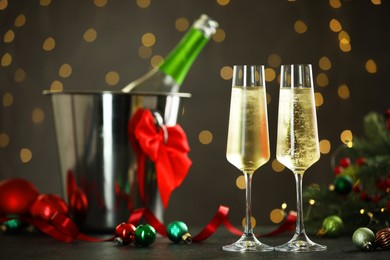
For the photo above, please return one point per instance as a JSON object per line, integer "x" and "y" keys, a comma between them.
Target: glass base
{"x": 247, "y": 244}
{"x": 300, "y": 244}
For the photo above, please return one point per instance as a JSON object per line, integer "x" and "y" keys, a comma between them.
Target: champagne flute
{"x": 297, "y": 140}
{"x": 248, "y": 142}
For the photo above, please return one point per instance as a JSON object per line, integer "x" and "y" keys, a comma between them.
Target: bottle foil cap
{"x": 206, "y": 25}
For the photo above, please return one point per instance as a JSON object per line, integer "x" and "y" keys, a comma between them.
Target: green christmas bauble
{"x": 145, "y": 235}
{"x": 364, "y": 238}
{"x": 343, "y": 184}
{"x": 177, "y": 231}
{"x": 332, "y": 226}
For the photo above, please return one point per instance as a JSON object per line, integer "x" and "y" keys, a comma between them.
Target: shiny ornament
{"x": 343, "y": 184}
{"x": 46, "y": 205}
{"x": 124, "y": 234}
{"x": 364, "y": 239}
{"x": 177, "y": 231}
{"x": 145, "y": 235}
{"x": 332, "y": 226}
{"x": 382, "y": 238}
{"x": 17, "y": 195}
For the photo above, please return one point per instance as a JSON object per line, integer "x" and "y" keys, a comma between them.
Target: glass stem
{"x": 248, "y": 191}
{"x": 299, "y": 229}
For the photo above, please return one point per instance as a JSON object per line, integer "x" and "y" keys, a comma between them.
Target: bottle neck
{"x": 180, "y": 59}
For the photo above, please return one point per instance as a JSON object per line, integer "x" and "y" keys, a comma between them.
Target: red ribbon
{"x": 221, "y": 217}
{"x": 62, "y": 228}
{"x": 169, "y": 156}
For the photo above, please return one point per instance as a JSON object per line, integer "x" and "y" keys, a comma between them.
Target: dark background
{"x": 254, "y": 30}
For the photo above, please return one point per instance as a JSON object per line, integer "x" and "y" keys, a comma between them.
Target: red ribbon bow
{"x": 169, "y": 156}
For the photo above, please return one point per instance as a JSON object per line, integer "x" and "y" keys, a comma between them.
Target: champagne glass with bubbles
{"x": 297, "y": 140}
{"x": 248, "y": 142}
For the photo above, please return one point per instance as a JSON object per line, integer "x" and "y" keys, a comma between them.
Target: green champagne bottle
{"x": 168, "y": 77}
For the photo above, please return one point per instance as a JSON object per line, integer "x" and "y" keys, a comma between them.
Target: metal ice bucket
{"x": 97, "y": 158}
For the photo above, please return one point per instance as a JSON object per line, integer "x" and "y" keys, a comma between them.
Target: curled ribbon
{"x": 170, "y": 155}
{"x": 62, "y": 228}
{"x": 220, "y": 217}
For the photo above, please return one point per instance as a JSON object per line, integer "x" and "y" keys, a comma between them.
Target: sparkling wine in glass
{"x": 248, "y": 142}
{"x": 297, "y": 140}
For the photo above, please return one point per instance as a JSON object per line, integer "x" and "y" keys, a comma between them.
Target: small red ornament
{"x": 126, "y": 232}
{"x": 361, "y": 161}
{"x": 345, "y": 162}
{"x": 46, "y": 205}
{"x": 16, "y": 196}
{"x": 337, "y": 170}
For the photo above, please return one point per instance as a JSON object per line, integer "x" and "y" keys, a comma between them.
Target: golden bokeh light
{"x": 284, "y": 205}
{"x": 270, "y": 74}
{"x": 6, "y": 60}
{"x": 144, "y": 52}
{"x": 322, "y": 79}
{"x": 371, "y": 66}
{"x": 100, "y": 3}
{"x": 319, "y": 99}
{"x": 19, "y": 75}
{"x": 335, "y": 25}
{"x": 20, "y": 20}
{"x": 312, "y": 202}
{"x": 65, "y": 70}
{"x": 56, "y": 86}
{"x": 274, "y": 60}
{"x": 156, "y": 61}
{"x": 325, "y": 146}
{"x": 148, "y": 39}
{"x": 346, "y": 136}
{"x": 143, "y": 3}
{"x": 268, "y": 98}
{"x": 335, "y": 4}
{"x": 343, "y": 91}
{"x": 300, "y": 26}
{"x": 345, "y": 46}
{"x": 90, "y": 35}
{"x": 376, "y": 2}
{"x": 49, "y": 44}
{"x": 240, "y": 182}
{"x": 277, "y": 166}
{"x": 44, "y": 2}
{"x": 8, "y": 99}
{"x": 3, "y": 4}
{"x": 9, "y": 36}
{"x": 223, "y": 2}
{"x": 253, "y": 222}
{"x": 112, "y": 78}
{"x": 325, "y": 63}
{"x": 38, "y": 115}
{"x": 4, "y": 140}
{"x": 205, "y": 137}
{"x": 25, "y": 155}
{"x": 277, "y": 216}
{"x": 344, "y": 37}
{"x": 182, "y": 24}
{"x": 226, "y": 72}
{"x": 219, "y": 35}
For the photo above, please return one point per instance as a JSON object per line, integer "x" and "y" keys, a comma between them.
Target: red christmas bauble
{"x": 126, "y": 232}
{"x": 46, "y": 205}
{"x": 16, "y": 196}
